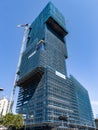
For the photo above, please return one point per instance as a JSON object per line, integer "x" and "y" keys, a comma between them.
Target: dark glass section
{"x": 56, "y": 28}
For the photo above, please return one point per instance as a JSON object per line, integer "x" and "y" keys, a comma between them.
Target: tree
{"x": 18, "y": 121}
{"x": 8, "y": 119}
{"x": 13, "y": 120}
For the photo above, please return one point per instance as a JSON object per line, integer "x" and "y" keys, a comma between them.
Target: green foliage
{"x": 13, "y": 120}
{"x": 1, "y": 121}
{"x": 18, "y": 121}
{"x": 8, "y": 119}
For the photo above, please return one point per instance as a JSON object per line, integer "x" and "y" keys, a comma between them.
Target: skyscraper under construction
{"x": 48, "y": 97}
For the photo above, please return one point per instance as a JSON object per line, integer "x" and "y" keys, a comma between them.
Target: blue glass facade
{"x": 46, "y": 92}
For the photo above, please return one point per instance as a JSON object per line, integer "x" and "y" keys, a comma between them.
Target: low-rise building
{"x": 4, "y": 106}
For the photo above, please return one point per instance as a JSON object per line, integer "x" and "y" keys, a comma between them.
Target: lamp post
{"x": 1, "y": 89}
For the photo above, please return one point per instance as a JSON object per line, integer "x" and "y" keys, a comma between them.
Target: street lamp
{"x": 1, "y": 89}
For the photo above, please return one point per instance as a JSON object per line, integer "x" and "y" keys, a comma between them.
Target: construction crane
{"x": 25, "y": 36}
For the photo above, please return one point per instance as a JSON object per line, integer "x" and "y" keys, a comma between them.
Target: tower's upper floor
{"x": 46, "y": 45}
{"x": 51, "y": 16}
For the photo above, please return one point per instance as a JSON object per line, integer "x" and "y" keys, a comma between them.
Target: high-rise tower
{"x": 46, "y": 93}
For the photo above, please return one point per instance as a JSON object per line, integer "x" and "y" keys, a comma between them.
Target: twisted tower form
{"x": 46, "y": 92}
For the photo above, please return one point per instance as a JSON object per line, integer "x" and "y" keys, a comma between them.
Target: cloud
{"x": 95, "y": 103}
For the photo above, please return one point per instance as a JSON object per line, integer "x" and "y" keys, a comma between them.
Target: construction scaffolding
{"x": 46, "y": 91}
